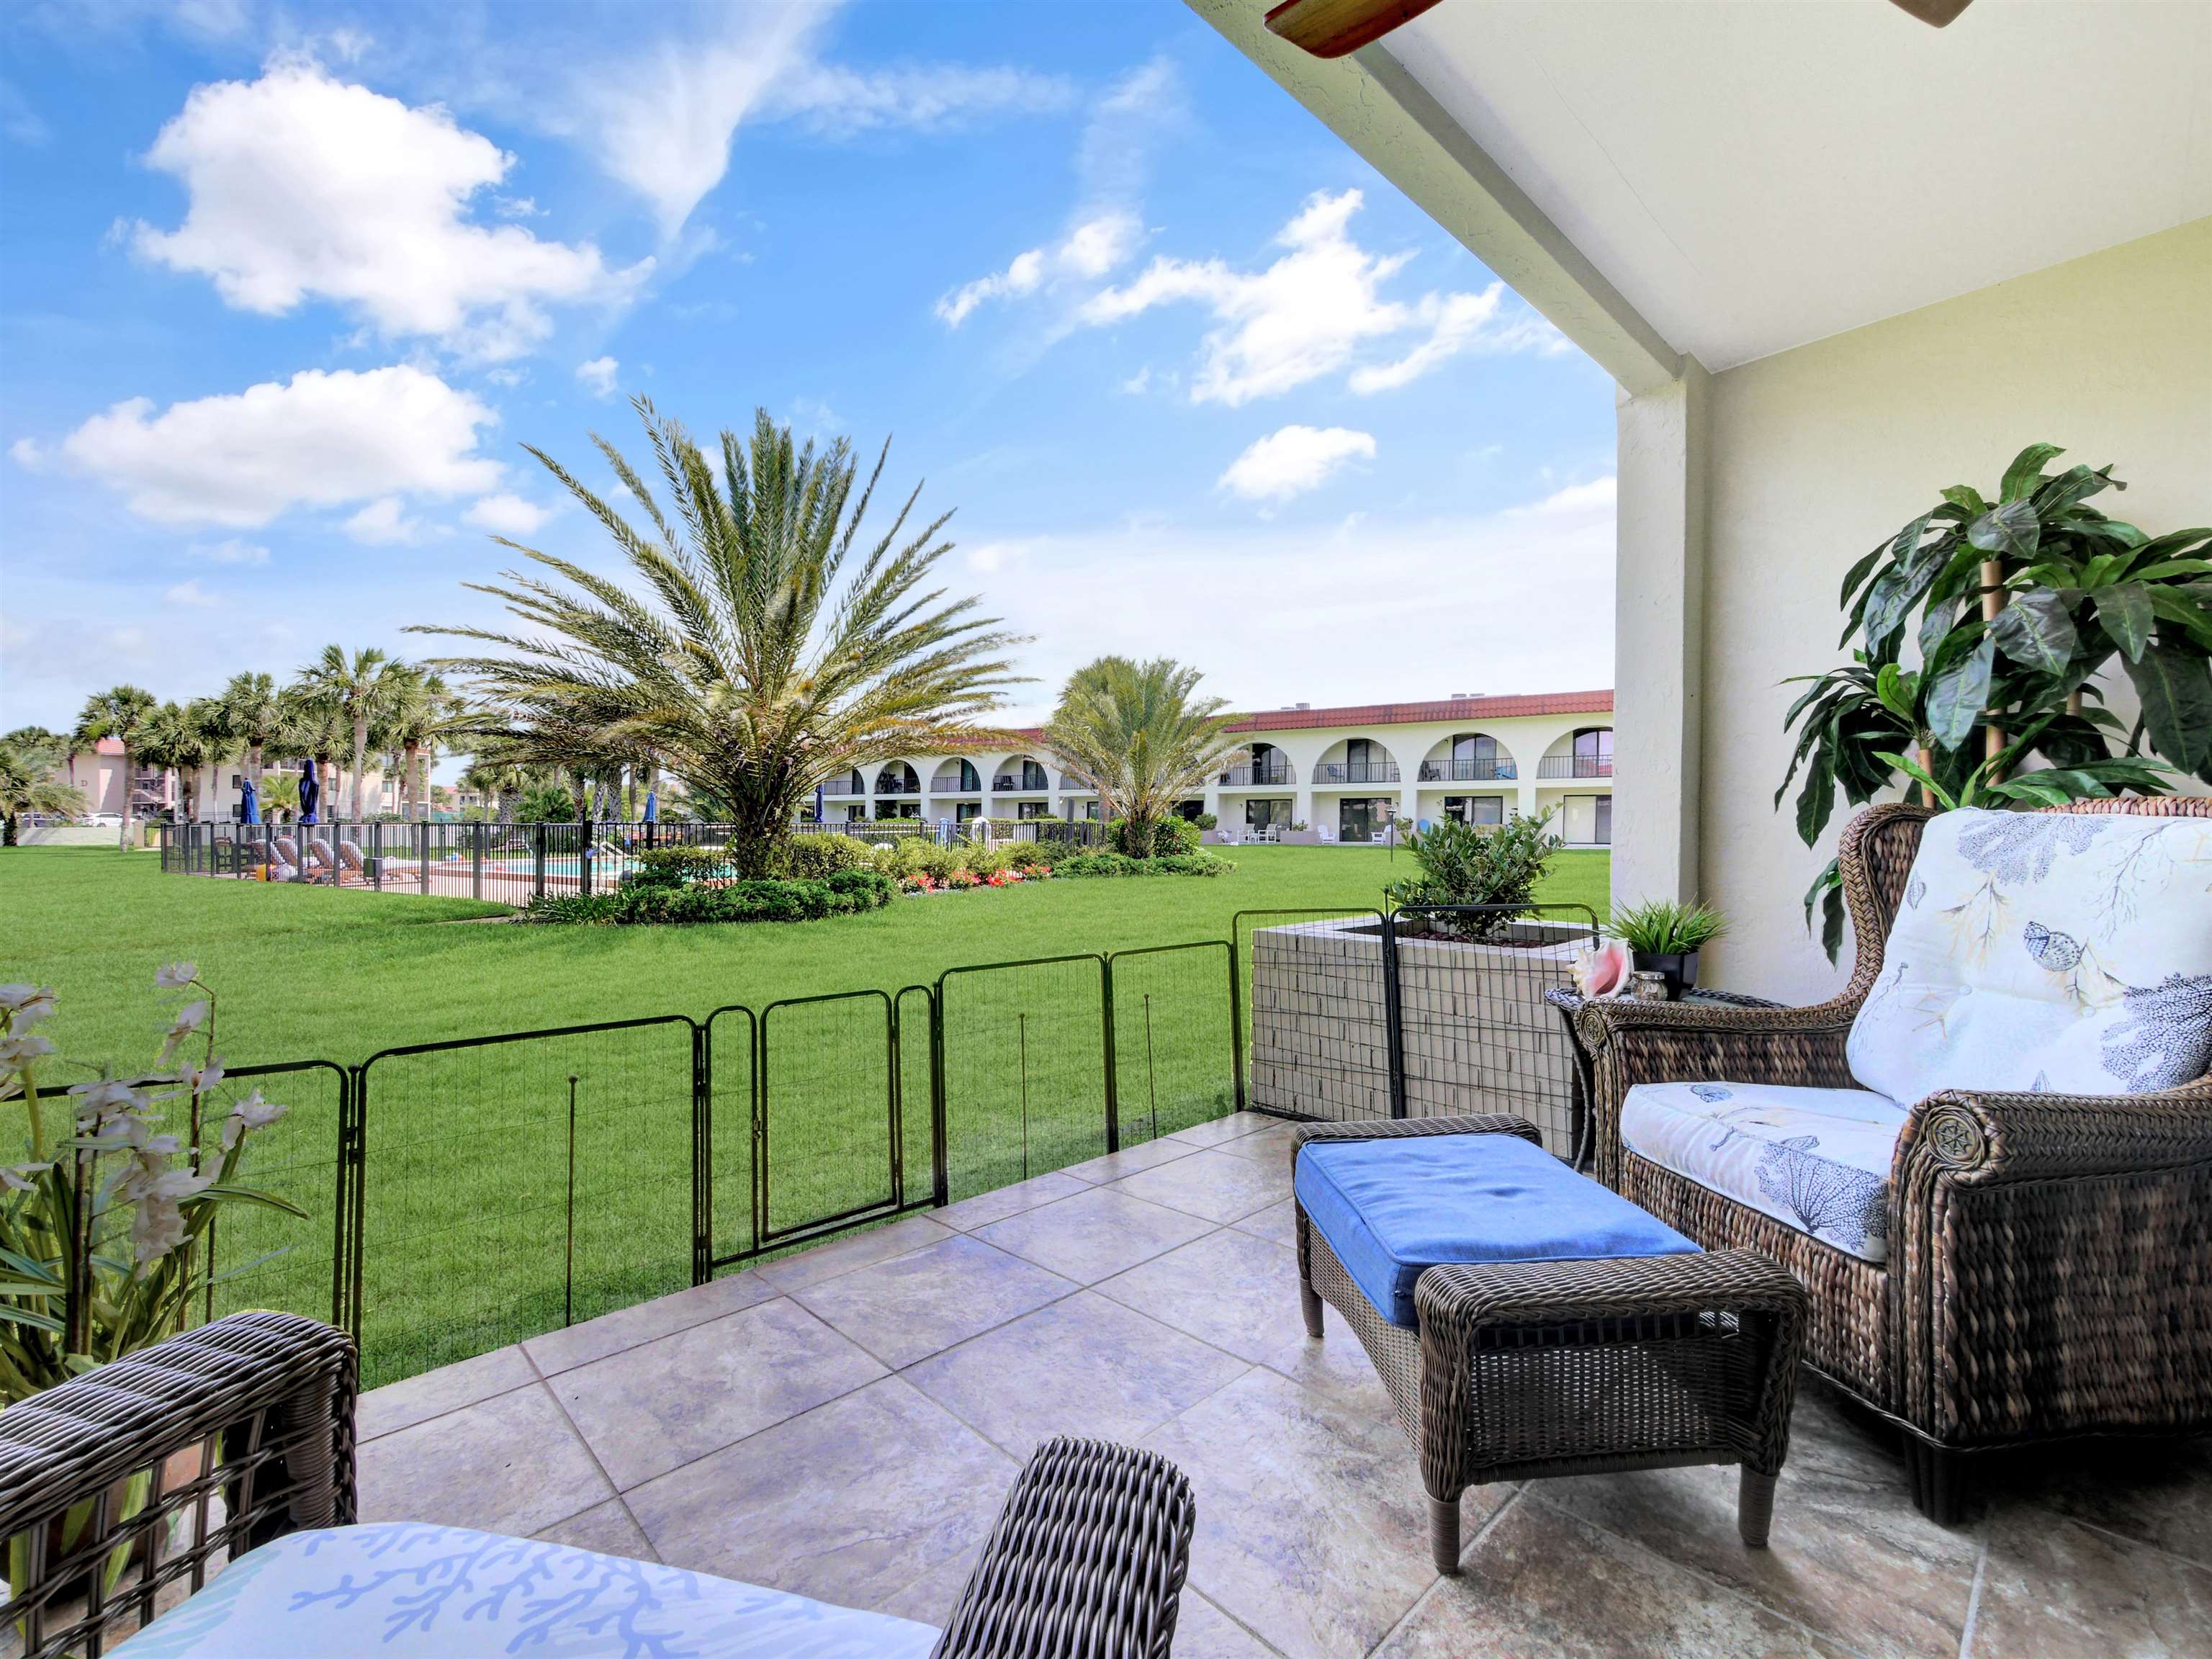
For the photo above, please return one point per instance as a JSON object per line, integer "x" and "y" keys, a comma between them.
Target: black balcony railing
{"x": 1008, "y": 782}
{"x": 1472, "y": 770}
{"x": 898, "y": 786}
{"x": 953, "y": 785}
{"x": 1267, "y": 774}
{"x": 1575, "y": 766}
{"x": 1357, "y": 772}
{"x": 842, "y": 787}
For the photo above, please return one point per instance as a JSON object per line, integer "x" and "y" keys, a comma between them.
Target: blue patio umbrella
{"x": 311, "y": 792}
{"x": 249, "y": 802}
{"x": 652, "y": 807}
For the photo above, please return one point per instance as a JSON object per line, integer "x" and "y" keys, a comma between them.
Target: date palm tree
{"x": 757, "y": 650}
{"x": 361, "y": 690}
{"x": 28, "y": 756}
{"x": 1138, "y": 734}
{"x": 120, "y": 712}
{"x": 423, "y": 714}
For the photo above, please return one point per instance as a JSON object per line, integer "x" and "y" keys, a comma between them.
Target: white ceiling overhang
{"x": 1727, "y": 178}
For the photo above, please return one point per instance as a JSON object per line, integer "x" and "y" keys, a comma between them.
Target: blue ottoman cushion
{"x": 1392, "y": 1209}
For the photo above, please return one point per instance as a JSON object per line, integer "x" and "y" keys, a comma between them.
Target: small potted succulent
{"x": 1663, "y": 936}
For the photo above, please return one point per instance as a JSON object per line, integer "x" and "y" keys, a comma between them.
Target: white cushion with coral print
{"x": 2052, "y": 952}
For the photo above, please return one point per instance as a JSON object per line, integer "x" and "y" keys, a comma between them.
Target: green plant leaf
{"x": 2190, "y": 612}
{"x": 2036, "y": 629}
{"x": 2012, "y": 529}
{"x": 2176, "y": 691}
{"x": 2025, "y": 472}
{"x": 1857, "y": 573}
{"x": 2127, "y": 614}
{"x": 1958, "y": 694}
{"x": 2075, "y": 485}
{"x": 1968, "y": 497}
{"x": 2175, "y": 542}
{"x": 2165, "y": 567}
{"x": 36, "y": 1321}
{"x": 1912, "y": 769}
{"x": 1817, "y": 801}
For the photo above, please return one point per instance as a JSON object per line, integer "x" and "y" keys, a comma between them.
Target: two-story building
{"x": 1348, "y": 774}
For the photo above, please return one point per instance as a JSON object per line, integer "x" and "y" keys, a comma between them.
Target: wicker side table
{"x": 1575, "y": 1367}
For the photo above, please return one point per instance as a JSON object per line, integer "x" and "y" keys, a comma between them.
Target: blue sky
{"x": 283, "y": 291}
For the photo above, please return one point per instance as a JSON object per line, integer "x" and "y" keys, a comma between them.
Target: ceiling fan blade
{"x": 1934, "y": 13}
{"x": 1330, "y": 28}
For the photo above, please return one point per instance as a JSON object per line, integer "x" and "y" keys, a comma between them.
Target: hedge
{"x": 1117, "y": 864}
{"x": 841, "y": 894}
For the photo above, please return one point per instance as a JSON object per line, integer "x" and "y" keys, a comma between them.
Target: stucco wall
{"x": 1817, "y": 453}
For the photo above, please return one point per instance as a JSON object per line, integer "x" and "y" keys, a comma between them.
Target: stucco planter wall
{"x": 1478, "y": 1036}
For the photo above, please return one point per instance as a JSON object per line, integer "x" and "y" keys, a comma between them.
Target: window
{"x": 1031, "y": 809}
{"x": 1475, "y": 808}
{"x": 1594, "y": 752}
{"x": 1605, "y": 820}
{"x": 966, "y": 810}
{"x": 971, "y": 782}
{"x": 1474, "y": 746}
{"x": 1033, "y": 776}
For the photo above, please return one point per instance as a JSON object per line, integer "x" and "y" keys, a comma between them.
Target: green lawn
{"x": 470, "y": 1237}
{"x": 310, "y": 972}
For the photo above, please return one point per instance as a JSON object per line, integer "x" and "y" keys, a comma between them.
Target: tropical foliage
{"x": 2024, "y": 605}
{"x": 28, "y": 758}
{"x": 764, "y": 646}
{"x": 1138, "y": 734}
{"x": 121, "y": 713}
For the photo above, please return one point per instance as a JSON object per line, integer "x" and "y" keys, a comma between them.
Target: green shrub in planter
{"x": 673, "y": 866}
{"x": 1466, "y": 864}
{"x": 1118, "y": 864}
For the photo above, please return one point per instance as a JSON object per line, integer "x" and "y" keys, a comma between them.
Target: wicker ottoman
{"x": 1521, "y": 1368}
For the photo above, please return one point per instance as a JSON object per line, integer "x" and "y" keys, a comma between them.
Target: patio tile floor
{"x": 844, "y": 1424}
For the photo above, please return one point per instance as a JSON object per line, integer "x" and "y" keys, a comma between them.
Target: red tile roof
{"x": 1446, "y": 708}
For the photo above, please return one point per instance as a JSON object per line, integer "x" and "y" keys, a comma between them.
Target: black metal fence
{"x": 467, "y": 1194}
{"x": 511, "y": 863}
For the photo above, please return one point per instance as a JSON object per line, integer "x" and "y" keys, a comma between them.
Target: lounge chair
{"x": 320, "y": 859}
{"x": 248, "y": 1423}
{"x": 1990, "y": 1157}
{"x": 285, "y": 859}
{"x": 352, "y": 863}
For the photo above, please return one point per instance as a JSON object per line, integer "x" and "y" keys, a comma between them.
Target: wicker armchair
{"x": 2049, "y": 1257}
{"x": 233, "y": 1435}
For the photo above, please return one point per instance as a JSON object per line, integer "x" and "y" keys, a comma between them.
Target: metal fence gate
{"x": 468, "y": 1194}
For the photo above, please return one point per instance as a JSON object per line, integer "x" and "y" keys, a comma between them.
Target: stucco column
{"x": 1659, "y": 637}
{"x": 1527, "y": 806}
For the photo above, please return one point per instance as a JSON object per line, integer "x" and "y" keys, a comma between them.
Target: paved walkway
{"x": 844, "y": 1423}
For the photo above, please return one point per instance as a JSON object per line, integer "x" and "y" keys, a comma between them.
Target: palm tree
{"x": 120, "y": 712}
{"x": 1136, "y": 734}
{"x": 753, "y": 658}
{"x": 426, "y": 713}
{"x": 360, "y": 689}
{"x": 500, "y": 782}
{"x": 181, "y": 739}
{"x": 251, "y": 717}
{"x": 311, "y": 726}
{"x": 28, "y": 756}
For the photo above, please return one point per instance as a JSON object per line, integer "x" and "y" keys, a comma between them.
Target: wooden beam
{"x": 1331, "y": 28}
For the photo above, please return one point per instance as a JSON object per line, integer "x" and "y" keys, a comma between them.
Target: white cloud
{"x": 1598, "y": 493}
{"x": 384, "y": 523}
{"x": 833, "y": 98}
{"x": 191, "y": 596}
{"x": 1096, "y": 245}
{"x": 506, "y": 515}
{"x": 321, "y": 439}
{"x": 232, "y": 549}
{"x": 1295, "y": 460}
{"x": 303, "y": 186}
{"x": 27, "y": 454}
{"x": 663, "y": 121}
{"x": 598, "y": 376}
{"x": 1312, "y": 311}
{"x": 1022, "y": 276}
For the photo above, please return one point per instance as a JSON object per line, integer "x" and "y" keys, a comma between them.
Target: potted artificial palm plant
{"x": 2024, "y": 603}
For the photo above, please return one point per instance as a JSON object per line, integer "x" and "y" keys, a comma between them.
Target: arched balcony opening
{"x": 1260, "y": 766}
{"x": 956, "y": 777}
{"x": 1355, "y": 762}
{"x": 1586, "y": 752}
{"x": 897, "y": 778}
{"x": 1469, "y": 757}
{"x": 1021, "y": 775}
